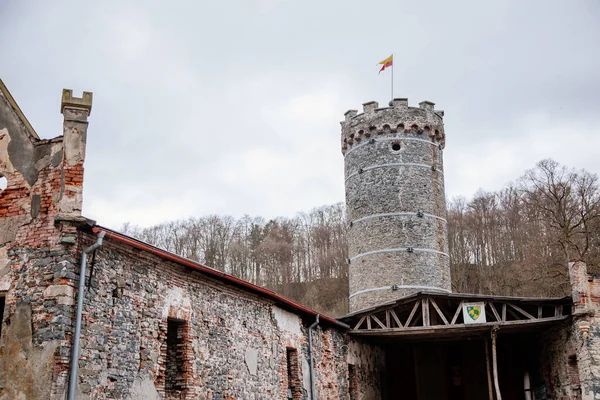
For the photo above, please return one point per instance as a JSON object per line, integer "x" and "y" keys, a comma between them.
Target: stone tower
{"x": 395, "y": 202}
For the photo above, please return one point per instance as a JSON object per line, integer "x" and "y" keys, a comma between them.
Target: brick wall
{"x": 571, "y": 356}
{"x": 40, "y": 210}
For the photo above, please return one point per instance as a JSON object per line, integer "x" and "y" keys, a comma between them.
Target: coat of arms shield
{"x": 474, "y": 313}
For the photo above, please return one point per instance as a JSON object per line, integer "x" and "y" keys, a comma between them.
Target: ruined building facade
{"x": 154, "y": 325}
{"x": 157, "y": 326}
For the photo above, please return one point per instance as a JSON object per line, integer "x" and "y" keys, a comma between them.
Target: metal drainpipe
{"x": 80, "y": 295}
{"x": 310, "y": 357}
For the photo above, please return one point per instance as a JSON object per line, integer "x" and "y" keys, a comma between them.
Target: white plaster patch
{"x": 251, "y": 358}
{"x": 3, "y": 257}
{"x": 5, "y": 281}
{"x": 305, "y": 374}
{"x": 5, "y": 164}
{"x": 178, "y": 300}
{"x": 287, "y": 321}
{"x": 74, "y": 146}
{"x": 71, "y": 200}
{"x": 143, "y": 388}
{"x": 359, "y": 354}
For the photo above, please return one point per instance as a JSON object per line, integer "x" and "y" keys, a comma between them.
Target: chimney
{"x": 76, "y": 111}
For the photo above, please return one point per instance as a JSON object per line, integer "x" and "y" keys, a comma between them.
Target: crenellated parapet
{"x": 398, "y": 120}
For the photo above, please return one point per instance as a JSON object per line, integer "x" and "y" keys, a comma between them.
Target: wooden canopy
{"x": 440, "y": 315}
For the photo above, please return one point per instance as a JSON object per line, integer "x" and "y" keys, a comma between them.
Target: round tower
{"x": 395, "y": 201}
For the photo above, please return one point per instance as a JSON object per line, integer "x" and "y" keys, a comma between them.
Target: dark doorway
{"x": 456, "y": 370}
{"x": 440, "y": 371}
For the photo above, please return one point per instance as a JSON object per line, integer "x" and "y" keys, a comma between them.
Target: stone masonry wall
{"x": 40, "y": 210}
{"x": 395, "y": 201}
{"x": 236, "y": 347}
{"x": 571, "y": 363}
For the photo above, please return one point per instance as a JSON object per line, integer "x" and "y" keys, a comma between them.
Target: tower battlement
{"x": 395, "y": 201}
{"x": 396, "y": 120}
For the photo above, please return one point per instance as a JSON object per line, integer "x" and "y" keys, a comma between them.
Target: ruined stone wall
{"x": 237, "y": 342}
{"x": 395, "y": 201}
{"x": 40, "y": 210}
{"x": 571, "y": 355}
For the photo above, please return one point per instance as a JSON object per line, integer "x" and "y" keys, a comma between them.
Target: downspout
{"x": 310, "y": 358}
{"x": 80, "y": 295}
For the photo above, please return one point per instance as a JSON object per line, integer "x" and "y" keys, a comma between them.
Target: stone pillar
{"x": 76, "y": 111}
{"x": 395, "y": 202}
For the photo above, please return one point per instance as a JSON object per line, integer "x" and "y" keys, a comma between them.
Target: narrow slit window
{"x": 352, "y": 382}
{"x": 175, "y": 357}
{"x": 294, "y": 391}
{"x": 2, "y": 303}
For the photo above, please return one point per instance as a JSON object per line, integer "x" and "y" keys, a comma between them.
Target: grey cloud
{"x": 234, "y": 107}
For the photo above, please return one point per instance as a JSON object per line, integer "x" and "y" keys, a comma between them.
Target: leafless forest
{"x": 516, "y": 241}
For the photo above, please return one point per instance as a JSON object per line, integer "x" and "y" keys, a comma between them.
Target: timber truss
{"x": 432, "y": 313}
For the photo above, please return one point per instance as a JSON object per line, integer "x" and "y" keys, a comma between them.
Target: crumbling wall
{"x": 571, "y": 363}
{"x": 237, "y": 343}
{"x": 40, "y": 209}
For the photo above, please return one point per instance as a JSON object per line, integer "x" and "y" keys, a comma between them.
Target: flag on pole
{"x": 386, "y": 63}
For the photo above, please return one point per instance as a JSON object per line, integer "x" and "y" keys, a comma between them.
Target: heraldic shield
{"x": 474, "y": 313}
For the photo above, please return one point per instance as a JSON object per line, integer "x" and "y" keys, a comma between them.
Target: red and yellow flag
{"x": 386, "y": 63}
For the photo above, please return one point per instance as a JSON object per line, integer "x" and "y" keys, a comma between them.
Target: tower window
{"x": 396, "y": 146}
{"x": 3, "y": 183}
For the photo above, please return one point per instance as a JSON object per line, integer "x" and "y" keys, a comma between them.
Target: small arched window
{"x": 3, "y": 182}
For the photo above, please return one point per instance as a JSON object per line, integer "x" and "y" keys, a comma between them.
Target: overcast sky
{"x": 233, "y": 107}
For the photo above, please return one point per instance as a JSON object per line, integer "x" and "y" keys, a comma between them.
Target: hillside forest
{"x": 516, "y": 241}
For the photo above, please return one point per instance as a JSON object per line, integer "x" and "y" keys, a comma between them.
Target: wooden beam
{"x": 412, "y": 313}
{"x": 388, "y": 321}
{"x": 439, "y": 311}
{"x": 368, "y": 322}
{"x": 360, "y": 322}
{"x": 540, "y": 311}
{"x": 495, "y": 364}
{"x": 425, "y": 311}
{"x": 519, "y": 309}
{"x": 396, "y": 318}
{"x": 503, "y": 311}
{"x": 457, "y": 313}
{"x": 418, "y": 318}
{"x": 488, "y": 368}
{"x": 378, "y": 322}
{"x": 514, "y": 314}
{"x": 558, "y": 311}
{"x": 432, "y": 331}
{"x": 494, "y": 311}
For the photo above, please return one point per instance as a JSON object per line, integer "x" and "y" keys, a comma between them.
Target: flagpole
{"x": 392, "y": 99}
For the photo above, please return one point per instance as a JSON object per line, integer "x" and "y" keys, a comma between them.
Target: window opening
{"x": 352, "y": 382}
{"x": 294, "y": 391}
{"x": 175, "y": 357}
{"x": 573, "y": 369}
{"x": 2, "y": 303}
{"x": 3, "y": 183}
